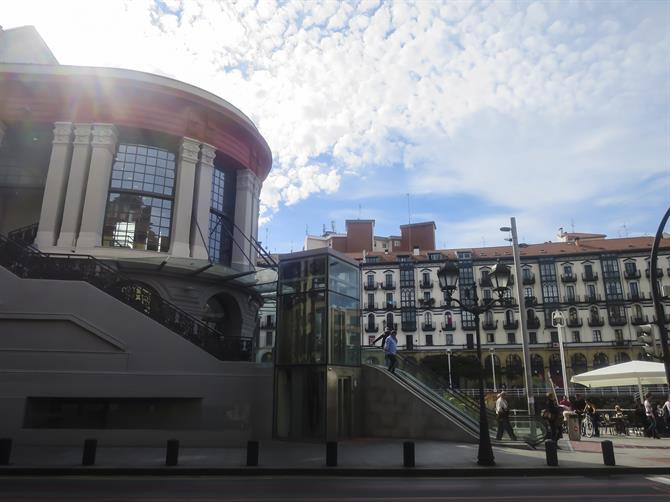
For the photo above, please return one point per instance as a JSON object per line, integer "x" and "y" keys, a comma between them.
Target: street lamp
{"x": 449, "y": 364}
{"x": 500, "y": 275}
{"x": 493, "y": 368}
{"x": 558, "y": 321}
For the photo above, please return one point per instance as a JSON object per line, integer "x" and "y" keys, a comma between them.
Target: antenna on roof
{"x": 306, "y": 229}
{"x": 323, "y": 229}
{"x": 572, "y": 225}
{"x": 332, "y": 225}
{"x": 359, "y": 211}
{"x": 409, "y": 213}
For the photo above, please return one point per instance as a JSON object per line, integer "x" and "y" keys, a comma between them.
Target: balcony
{"x": 636, "y": 321}
{"x": 388, "y": 285}
{"x": 574, "y": 322}
{"x": 428, "y": 326}
{"x": 390, "y": 306}
{"x": 370, "y": 306}
{"x": 659, "y": 273}
{"x": 667, "y": 319}
{"x": 449, "y": 327}
{"x": 568, "y": 277}
{"x": 468, "y": 325}
{"x": 528, "y": 279}
{"x": 508, "y": 302}
{"x": 631, "y": 274}
{"x": 572, "y": 300}
{"x": 370, "y": 286}
{"x": 426, "y": 284}
{"x": 530, "y": 301}
{"x": 446, "y": 303}
{"x": 533, "y": 323}
{"x": 596, "y": 322}
{"x": 371, "y": 329}
{"x": 589, "y": 277}
{"x": 427, "y": 304}
{"x": 490, "y": 326}
{"x": 592, "y": 298}
{"x": 511, "y": 325}
{"x": 636, "y": 297}
{"x": 617, "y": 321}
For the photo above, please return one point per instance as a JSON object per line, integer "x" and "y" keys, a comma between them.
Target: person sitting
{"x": 619, "y": 420}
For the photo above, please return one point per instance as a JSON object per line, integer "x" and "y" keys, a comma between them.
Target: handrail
{"x": 28, "y": 262}
{"x": 24, "y": 235}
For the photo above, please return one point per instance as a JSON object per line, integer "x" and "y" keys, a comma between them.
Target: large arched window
{"x": 600, "y": 360}
{"x": 579, "y": 364}
{"x": 555, "y": 364}
{"x": 221, "y": 212}
{"x": 537, "y": 365}
{"x": 448, "y": 320}
{"x": 514, "y": 365}
{"x": 371, "y": 322}
{"x": 141, "y": 195}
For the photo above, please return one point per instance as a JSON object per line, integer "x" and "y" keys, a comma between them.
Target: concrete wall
{"x": 68, "y": 339}
{"x": 390, "y": 409}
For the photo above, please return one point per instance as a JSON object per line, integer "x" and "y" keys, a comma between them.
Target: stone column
{"x": 103, "y": 147}
{"x": 244, "y": 218}
{"x": 55, "y": 186}
{"x": 202, "y": 202}
{"x": 76, "y": 186}
{"x": 183, "y": 198}
{"x": 254, "y": 215}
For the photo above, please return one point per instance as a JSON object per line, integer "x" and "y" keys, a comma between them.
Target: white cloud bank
{"x": 459, "y": 91}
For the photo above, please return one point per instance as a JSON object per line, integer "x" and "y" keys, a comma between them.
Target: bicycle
{"x": 587, "y": 428}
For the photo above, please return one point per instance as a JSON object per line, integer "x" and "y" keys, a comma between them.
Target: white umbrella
{"x": 630, "y": 373}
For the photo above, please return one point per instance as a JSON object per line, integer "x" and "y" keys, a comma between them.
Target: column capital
{"x": 104, "y": 136}
{"x": 188, "y": 150}
{"x": 82, "y": 134}
{"x": 62, "y": 133}
{"x": 207, "y": 154}
{"x": 246, "y": 180}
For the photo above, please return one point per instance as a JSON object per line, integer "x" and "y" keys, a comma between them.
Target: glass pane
{"x": 344, "y": 330}
{"x": 303, "y": 328}
{"x": 343, "y": 278}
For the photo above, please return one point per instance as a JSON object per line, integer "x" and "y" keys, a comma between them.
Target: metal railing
{"x": 29, "y": 263}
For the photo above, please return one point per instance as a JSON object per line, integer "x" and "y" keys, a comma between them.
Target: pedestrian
{"x": 391, "y": 349}
{"x": 590, "y": 409}
{"x": 502, "y": 417}
{"x": 666, "y": 413}
{"x": 552, "y": 414}
{"x": 651, "y": 430}
{"x": 383, "y": 337}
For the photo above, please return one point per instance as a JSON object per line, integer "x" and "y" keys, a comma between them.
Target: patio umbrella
{"x": 630, "y": 373}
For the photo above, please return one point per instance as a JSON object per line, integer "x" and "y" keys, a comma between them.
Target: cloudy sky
{"x": 464, "y": 113}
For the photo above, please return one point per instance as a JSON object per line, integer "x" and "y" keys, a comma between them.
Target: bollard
{"x": 252, "y": 453}
{"x": 5, "y": 450}
{"x": 552, "y": 452}
{"x": 331, "y": 453}
{"x": 408, "y": 454}
{"x": 608, "y": 452}
{"x": 88, "y": 457}
{"x": 172, "y": 452}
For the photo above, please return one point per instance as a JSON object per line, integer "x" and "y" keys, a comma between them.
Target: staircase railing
{"x": 29, "y": 263}
{"x": 24, "y": 235}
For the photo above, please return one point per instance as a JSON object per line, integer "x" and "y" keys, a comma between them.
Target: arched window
{"x": 221, "y": 214}
{"x": 537, "y": 365}
{"x": 389, "y": 321}
{"x": 600, "y": 360}
{"x": 621, "y": 357}
{"x": 371, "y": 322}
{"x": 579, "y": 364}
{"x": 448, "y": 319}
{"x": 488, "y": 318}
{"x": 572, "y": 314}
{"x": 555, "y": 364}
{"x": 427, "y": 318}
{"x": 509, "y": 316}
{"x": 514, "y": 366}
{"x": 487, "y": 362}
{"x": 140, "y": 199}
{"x": 594, "y": 313}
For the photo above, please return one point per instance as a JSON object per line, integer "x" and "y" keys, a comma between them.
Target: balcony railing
{"x": 596, "y": 321}
{"x": 574, "y": 322}
{"x": 592, "y": 298}
{"x": 528, "y": 279}
{"x": 617, "y": 321}
{"x": 636, "y": 297}
{"x": 426, "y": 284}
{"x": 631, "y": 274}
{"x": 388, "y": 285}
{"x": 508, "y": 302}
{"x": 659, "y": 273}
{"x": 620, "y": 342}
{"x": 511, "y": 325}
{"x": 371, "y": 329}
{"x": 569, "y": 277}
{"x": 490, "y": 326}
{"x": 448, "y": 327}
{"x": 370, "y": 306}
{"x": 390, "y": 306}
{"x": 427, "y": 304}
{"x": 589, "y": 277}
{"x": 468, "y": 325}
{"x": 572, "y": 299}
{"x": 636, "y": 321}
{"x": 428, "y": 326}
{"x": 530, "y": 301}
{"x": 533, "y": 323}
{"x": 370, "y": 287}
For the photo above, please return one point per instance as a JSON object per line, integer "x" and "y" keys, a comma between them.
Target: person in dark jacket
{"x": 383, "y": 337}
{"x": 553, "y": 415}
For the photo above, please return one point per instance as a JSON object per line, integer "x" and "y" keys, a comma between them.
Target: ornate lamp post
{"x": 448, "y": 277}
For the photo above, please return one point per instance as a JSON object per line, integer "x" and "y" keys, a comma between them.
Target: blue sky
{"x": 557, "y": 113}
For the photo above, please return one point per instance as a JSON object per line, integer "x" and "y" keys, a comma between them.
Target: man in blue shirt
{"x": 390, "y": 349}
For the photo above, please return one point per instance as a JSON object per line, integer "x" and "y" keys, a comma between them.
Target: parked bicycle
{"x": 587, "y": 428}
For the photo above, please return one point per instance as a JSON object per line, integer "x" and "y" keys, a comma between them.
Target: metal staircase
{"x": 25, "y": 261}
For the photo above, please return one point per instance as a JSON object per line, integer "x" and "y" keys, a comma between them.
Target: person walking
{"x": 391, "y": 349}
{"x": 552, "y": 414}
{"x": 665, "y": 413}
{"x": 651, "y": 430}
{"x": 383, "y": 337}
{"x": 590, "y": 409}
{"x": 502, "y": 417}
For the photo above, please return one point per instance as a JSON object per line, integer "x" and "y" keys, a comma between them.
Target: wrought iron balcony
{"x": 429, "y": 303}
{"x": 511, "y": 325}
{"x": 528, "y": 279}
{"x": 390, "y": 306}
{"x": 530, "y": 301}
{"x": 572, "y": 299}
{"x": 574, "y": 322}
{"x": 490, "y": 326}
{"x": 592, "y": 298}
{"x": 468, "y": 325}
{"x": 631, "y": 274}
{"x": 620, "y": 342}
{"x": 617, "y": 321}
{"x": 370, "y": 306}
{"x": 596, "y": 321}
{"x": 371, "y": 329}
{"x": 589, "y": 277}
{"x": 388, "y": 285}
{"x": 508, "y": 302}
{"x": 636, "y": 321}
{"x": 659, "y": 273}
{"x": 448, "y": 327}
{"x": 636, "y": 297}
{"x": 426, "y": 284}
{"x": 370, "y": 287}
{"x": 568, "y": 277}
{"x": 428, "y": 326}
{"x": 533, "y": 323}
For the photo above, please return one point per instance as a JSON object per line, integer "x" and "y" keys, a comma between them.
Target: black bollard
{"x": 88, "y": 456}
{"x": 172, "y": 452}
{"x": 408, "y": 454}
{"x": 252, "y": 453}
{"x": 552, "y": 453}
{"x": 331, "y": 453}
{"x": 5, "y": 450}
{"x": 608, "y": 452}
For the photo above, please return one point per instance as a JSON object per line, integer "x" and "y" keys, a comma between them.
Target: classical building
{"x": 128, "y": 222}
{"x": 601, "y": 285}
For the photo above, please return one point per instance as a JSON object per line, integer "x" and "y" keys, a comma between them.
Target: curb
{"x": 330, "y": 471}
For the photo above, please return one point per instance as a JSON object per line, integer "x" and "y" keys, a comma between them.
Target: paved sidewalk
{"x": 365, "y": 455}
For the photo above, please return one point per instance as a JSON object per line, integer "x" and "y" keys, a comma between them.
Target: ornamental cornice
{"x": 188, "y": 150}
{"x": 82, "y": 134}
{"x": 62, "y": 133}
{"x": 207, "y": 154}
{"x": 104, "y": 136}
